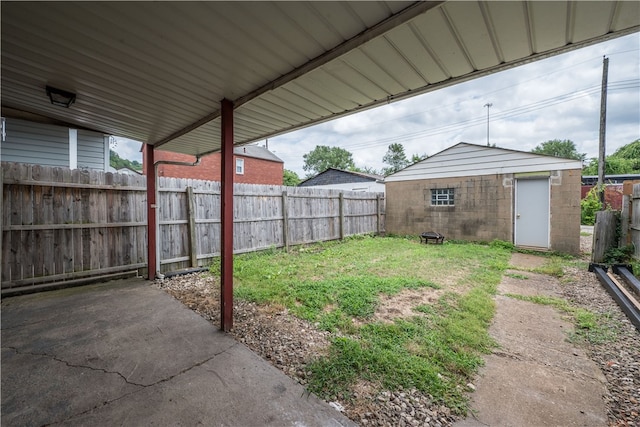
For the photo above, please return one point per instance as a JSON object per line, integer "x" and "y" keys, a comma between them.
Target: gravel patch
{"x": 619, "y": 359}
{"x": 291, "y": 344}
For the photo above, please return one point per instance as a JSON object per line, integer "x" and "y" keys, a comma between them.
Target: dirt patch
{"x": 529, "y": 284}
{"x": 402, "y": 304}
{"x": 527, "y": 261}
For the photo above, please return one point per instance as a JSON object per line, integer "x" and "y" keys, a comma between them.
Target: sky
{"x": 555, "y": 98}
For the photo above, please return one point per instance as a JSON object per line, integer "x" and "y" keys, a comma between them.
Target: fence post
{"x": 604, "y": 235}
{"x": 191, "y": 217}
{"x": 378, "y": 214}
{"x": 285, "y": 221}
{"x": 341, "y": 207}
{"x": 1, "y": 217}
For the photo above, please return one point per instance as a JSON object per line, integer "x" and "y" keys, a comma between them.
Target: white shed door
{"x": 532, "y": 213}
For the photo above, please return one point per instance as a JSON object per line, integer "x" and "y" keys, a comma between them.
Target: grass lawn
{"x": 339, "y": 285}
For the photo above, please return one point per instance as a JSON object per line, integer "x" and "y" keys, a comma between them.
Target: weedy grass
{"x": 338, "y": 286}
{"x": 589, "y": 326}
{"x": 517, "y": 276}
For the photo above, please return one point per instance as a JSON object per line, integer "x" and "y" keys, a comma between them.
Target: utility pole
{"x": 603, "y": 124}
{"x": 488, "y": 105}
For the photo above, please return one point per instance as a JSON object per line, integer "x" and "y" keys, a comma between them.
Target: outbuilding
{"x": 481, "y": 193}
{"x": 339, "y": 179}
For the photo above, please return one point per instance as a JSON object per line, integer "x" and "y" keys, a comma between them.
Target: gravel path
{"x": 290, "y": 343}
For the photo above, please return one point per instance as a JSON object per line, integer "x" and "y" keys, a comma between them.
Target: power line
{"x": 528, "y": 108}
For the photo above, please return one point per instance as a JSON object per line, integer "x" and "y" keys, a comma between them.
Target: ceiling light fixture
{"x": 60, "y": 97}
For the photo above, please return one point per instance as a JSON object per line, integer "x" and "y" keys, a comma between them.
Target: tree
{"x": 117, "y": 162}
{"x": 418, "y": 158}
{"x": 395, "y": 158}
{"x": 625, "y": 160}
{"x": 367, "y": 169}
{"x": 560, "y": 148}
{"x": 290, "y": 178}
{"x": 323, "y": 157}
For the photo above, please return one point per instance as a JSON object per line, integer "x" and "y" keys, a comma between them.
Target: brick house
{"x": 254, "y": 165}
{"x": 479, "y": 193}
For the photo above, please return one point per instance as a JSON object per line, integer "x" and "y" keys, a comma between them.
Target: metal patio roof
{"x": 157, "y": 71}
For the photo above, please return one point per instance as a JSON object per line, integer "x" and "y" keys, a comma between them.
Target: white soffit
{"x": 465, "y": 159}
{"x": 157, "y": 71}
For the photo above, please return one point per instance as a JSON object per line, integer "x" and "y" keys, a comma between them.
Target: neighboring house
{"x": 253, "y": 165}
{"x": 479, "y": 193}
{"x": 25, "y": 141}
{"x": 345, "y": 180}
{"x": 612, "y": 188}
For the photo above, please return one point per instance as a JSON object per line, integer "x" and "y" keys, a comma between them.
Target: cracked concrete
{"x": 536, "y": 377}
{"x": 125, "y": 353}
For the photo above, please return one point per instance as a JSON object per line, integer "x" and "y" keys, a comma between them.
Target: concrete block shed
{"x": 480, "y": 193}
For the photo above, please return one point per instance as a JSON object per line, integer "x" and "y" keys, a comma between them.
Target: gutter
{"x": 159, "y": 275}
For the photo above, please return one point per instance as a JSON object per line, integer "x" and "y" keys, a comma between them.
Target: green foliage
{"x": 366, "y": 169}
{"x": 517, "y": 276}
{"x": 560, "y": 148}
{"x": 630, "y": 151}
{"x": 117, "y": 162}
{"x": 553, "y": 266}
{"x": 338, "y": 285}
{"x": 621, "y": 255}
{"x": 324, "y": 157}
{"x": 502, "y": 244}
{"x": 589, "y": 206}
{"x": 625, "y": 160}
{"x": 395, "y": 158}
{"x": 436, "y": 353}
{"x": 290, "y": 178}
{"x": 415, "y": 158}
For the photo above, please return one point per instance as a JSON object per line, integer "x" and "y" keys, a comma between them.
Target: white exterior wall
{"x": 375, "y": 187}
{"x": 476, "y": 160}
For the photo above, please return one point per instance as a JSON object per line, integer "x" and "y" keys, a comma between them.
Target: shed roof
{"x": 339, "y": 176}
{"x": 464, "y": 159}
{"x": 157, "y": 71}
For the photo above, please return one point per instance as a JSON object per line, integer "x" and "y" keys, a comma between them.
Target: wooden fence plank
{"x": 57, "y": 222}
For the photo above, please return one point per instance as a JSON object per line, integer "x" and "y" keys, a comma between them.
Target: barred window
{"x": 442, "y": 196}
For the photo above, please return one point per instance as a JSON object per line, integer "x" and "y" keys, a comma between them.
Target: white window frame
{"x": 442, "y": 197}
{"x": 239, "y": 166}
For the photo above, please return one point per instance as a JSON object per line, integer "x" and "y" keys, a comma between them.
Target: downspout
{"x": 159, "y": 275}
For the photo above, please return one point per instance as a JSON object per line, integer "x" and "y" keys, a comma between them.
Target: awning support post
{"x": 226, "y": 258}
{"x": 150, "y": 172}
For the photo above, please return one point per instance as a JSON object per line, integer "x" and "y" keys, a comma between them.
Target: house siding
{"x": 91, "y": 150}
{"x": 35, "y": 143}
{"x": 465, "y": 159}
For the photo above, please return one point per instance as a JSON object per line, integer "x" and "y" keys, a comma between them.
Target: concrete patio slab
{"x": 125, "y": 353}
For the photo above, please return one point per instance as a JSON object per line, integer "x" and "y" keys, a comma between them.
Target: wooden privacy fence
{"x": 630, "y": 227}
{"x": 265, "y": 216}
{"x": 60, "y": 224}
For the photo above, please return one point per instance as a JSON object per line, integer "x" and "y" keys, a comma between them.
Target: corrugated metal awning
{"x": 156, "y": 71}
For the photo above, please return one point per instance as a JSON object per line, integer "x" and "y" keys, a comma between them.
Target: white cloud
{"x": 127, "y": 148}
